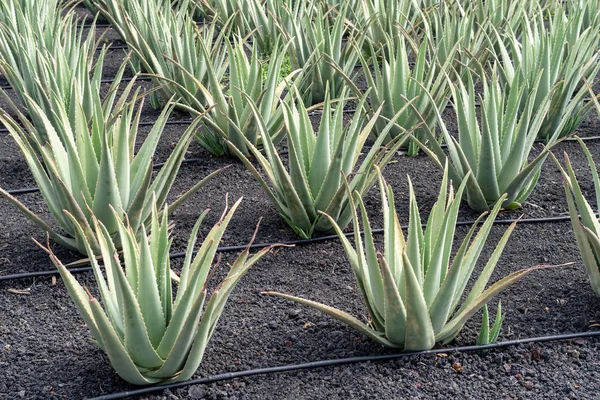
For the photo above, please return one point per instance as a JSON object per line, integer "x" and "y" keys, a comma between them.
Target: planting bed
{"x": 45, "y": 351}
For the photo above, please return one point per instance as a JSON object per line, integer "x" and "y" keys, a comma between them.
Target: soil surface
{"x": 45, "y": 351}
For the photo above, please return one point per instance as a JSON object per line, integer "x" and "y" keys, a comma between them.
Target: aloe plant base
{"x": 38, "y": 323}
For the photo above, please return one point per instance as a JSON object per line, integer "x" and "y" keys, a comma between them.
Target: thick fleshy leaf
{"x": 593, "y": 268}
{"x": 138, "y": 343}
{"x": 148, "y": 293}
{"x": 214, "y": 309}
{"x": 117, "y": 354}
{"x": 451, "y": 329}
{"x": 342, "y": 317}
{"x": 395, "y": 313}
{"x": 177, "y": 347}
{"x": 419, "y": 331}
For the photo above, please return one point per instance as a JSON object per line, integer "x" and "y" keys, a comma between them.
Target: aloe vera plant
{"x": 493, "y": 155}
{"x": 412, "y": 290}
{"x": 149, "y": 335}
{"x": 380, "y": 19}
{"x": 394, "y": 83}
{"x": 232, "y": 116}
{"x": 170, "y": 47}
{"x": 317, "y": 164}
{"x": 456, "y": 37}
{"x": 325, "y": 46}
{"x": 589, "y": 10}
{"x": 565, "y": 55}
{"x": 585, "y": 222}
{"x": 38, "y": 54}
{"x": 23, "y": 15}
{"x": 489, "y": 334}
{"x": 259, "y": 19}
{"x": 89, "y": 167}
{"x": 501, "y": 14}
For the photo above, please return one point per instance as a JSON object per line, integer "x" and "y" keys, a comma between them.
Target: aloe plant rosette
{"x": 565, "y": 55}
{"x": 149, "y": 336}
{"x": 327, "y": 51}
{"x": 585, "y": 222}
{"x": 456, "y": 36}
{"x": 56, "y": 61}
{"x": 411, "y": 290}
{"x": 394, "y": 84}
{"x": 90, "y": 168}
{"x": 382, "y": 18}
{"x": 493, "y": 154}
{"x": 170, "y": 47}
{"x": 318, "y": 162}
{"x": 248, "y": 77}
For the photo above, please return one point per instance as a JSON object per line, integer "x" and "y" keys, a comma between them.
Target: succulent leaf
{"x": 414, "y": 314}
{"x": 142, "y": 344}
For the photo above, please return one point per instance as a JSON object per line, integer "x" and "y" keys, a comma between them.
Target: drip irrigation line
{"x": 185, "y": 161}
{"x": 106, "y": 25}
{"x": 345, "y": 361}
{"x": 346, "y": 111}
{"x": 107, "y": 81}
{"x": 377, "y": 231}
{"x": 16, "y": 192}
{"x": 115, "y": 47}
{"x": 567, "y": 139}
{"x": 139, "y": 78}
{"x": 296, "y": 242}
{"x": 102, "y": 25}
{"x": 189, "y": 121}
{"x": 183, "y": 121}
{"x": 38, "y": 274}
{"x": 172, "y": 122}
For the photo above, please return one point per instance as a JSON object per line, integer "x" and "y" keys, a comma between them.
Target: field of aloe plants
{"x": 299, "y": 199}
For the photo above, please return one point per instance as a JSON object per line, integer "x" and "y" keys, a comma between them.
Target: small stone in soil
{"x": 197, "y": 392}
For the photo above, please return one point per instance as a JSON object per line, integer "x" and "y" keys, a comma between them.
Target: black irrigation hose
{"x": 141, "y": 123}
{"x": 102, "y": 25}
{"x": 297, "y": 242}
{"x": 343, "y": 361}
{"x": 189, "y": 121}
{"x": 16, "y": 192}
{"x": 116, "y": 47}
{"x": 169, "y": 122}
{"x": 108, "y": 81}
{"x": 183, "y": 121}
{"x": 106, "y": 25}
{"x": 568, "y": 139}
{"x": 128, "y": 79}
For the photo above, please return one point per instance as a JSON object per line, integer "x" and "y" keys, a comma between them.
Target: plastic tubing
{"x": 298, "y": 242}
{"x": 342, "y": 361}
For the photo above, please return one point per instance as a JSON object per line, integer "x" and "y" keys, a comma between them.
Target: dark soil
{"x": 45, "y": 351}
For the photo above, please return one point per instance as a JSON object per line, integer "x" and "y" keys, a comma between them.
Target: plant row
{"x": 252, "y": 74}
